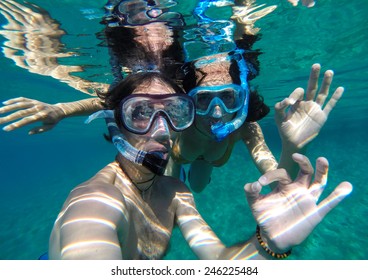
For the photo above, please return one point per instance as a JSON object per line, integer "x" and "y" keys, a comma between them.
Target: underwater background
{"x": 37, "y": 172}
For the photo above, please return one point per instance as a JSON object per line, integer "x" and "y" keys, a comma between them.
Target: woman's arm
{"x": 30, "y": 111}
{"x": 254, "y": 140}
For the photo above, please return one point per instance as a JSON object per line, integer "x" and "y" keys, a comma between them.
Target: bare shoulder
{"x": 103, "y": 184}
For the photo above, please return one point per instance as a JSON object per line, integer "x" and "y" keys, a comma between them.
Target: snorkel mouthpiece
{"x": 222, "y": 130}
{"x": 155, "y": 162}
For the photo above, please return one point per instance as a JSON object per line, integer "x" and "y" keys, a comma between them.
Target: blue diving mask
{"x": 229, "y": 97}
{"x": 140, "y": 110}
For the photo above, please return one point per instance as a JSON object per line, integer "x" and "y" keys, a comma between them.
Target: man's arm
{"x": 286, "y": 216}
{"x": 93, "y": 222}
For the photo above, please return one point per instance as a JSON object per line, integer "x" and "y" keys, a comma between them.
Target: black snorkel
{"x": 153, "y": 161}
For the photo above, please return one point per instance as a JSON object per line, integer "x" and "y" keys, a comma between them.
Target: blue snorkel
{"x": 222, "y": 130}
{"x": 154, "y": 161}
{"x": 216, "y": 41}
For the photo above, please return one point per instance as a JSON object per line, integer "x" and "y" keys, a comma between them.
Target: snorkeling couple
{"x": 129, "y": 208}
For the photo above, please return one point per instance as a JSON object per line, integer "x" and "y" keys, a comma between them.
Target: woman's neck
{"x": 197, "y": 134}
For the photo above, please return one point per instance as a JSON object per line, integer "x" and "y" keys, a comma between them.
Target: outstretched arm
{"x": 29, "y": 111}
{"x": 300, "y": 117}
{"x": 82, "y": 233}
{"x": 254, "y": 140}
{"x": 286, "y": 216}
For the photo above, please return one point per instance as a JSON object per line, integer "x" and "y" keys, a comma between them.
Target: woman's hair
{"x": 115, "y": 95}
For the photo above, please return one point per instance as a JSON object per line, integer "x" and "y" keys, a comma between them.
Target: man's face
{"x": 159, "y": 137}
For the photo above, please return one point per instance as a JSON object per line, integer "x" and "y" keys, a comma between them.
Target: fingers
{"x": 19, "y": 103}
{"x": 280, "y": 107}
{"x": 15, "y": 116}
{"x": 16, "y": 100}
{"x": 334, "y": 99}
{"x": 306, "y": 169}
{"x": 22, "y": 122}
{"x": 252, "y": 190}
{"x": 326, "y": 83}
{"x": 320, "y": 178}
{"x": 27, "y": 106}
{"x": 329, "y": 203}
{"x": 324, "y": 91}
{"x": 313, "y": 81}
{"x": 277, "y": 175}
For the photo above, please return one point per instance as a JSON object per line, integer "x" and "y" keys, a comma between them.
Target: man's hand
{"x": 289, "y": 213}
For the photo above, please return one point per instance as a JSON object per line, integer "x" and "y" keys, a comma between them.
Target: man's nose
{"x": 217, "y": 112}
{"x": 160, "y": 129}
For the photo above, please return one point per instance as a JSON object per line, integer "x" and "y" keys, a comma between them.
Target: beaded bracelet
{"x": 268, "y": 250}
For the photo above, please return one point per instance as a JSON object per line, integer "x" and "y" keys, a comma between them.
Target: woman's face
{"x": 216, "y": 73}
{"x": 215, "y": 115}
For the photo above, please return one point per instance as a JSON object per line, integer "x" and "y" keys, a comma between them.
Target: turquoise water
{"x": 37, "y": 172}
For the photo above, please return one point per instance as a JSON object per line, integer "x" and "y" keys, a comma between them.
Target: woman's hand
{"x": 289, "y": 213}
{"x": 300, "y": 120}
{"x": 30, "y": 111}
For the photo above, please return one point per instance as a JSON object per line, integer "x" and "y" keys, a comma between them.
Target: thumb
{"x": 329, "y": 203}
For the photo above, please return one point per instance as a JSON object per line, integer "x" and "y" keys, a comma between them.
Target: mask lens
{"x": 180, "y": 112}
{"x": 141, "y": 113}
{"x": 140, "y": 110}
{"x": 203, "y": 100}
{"x": 229, "y": 97}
